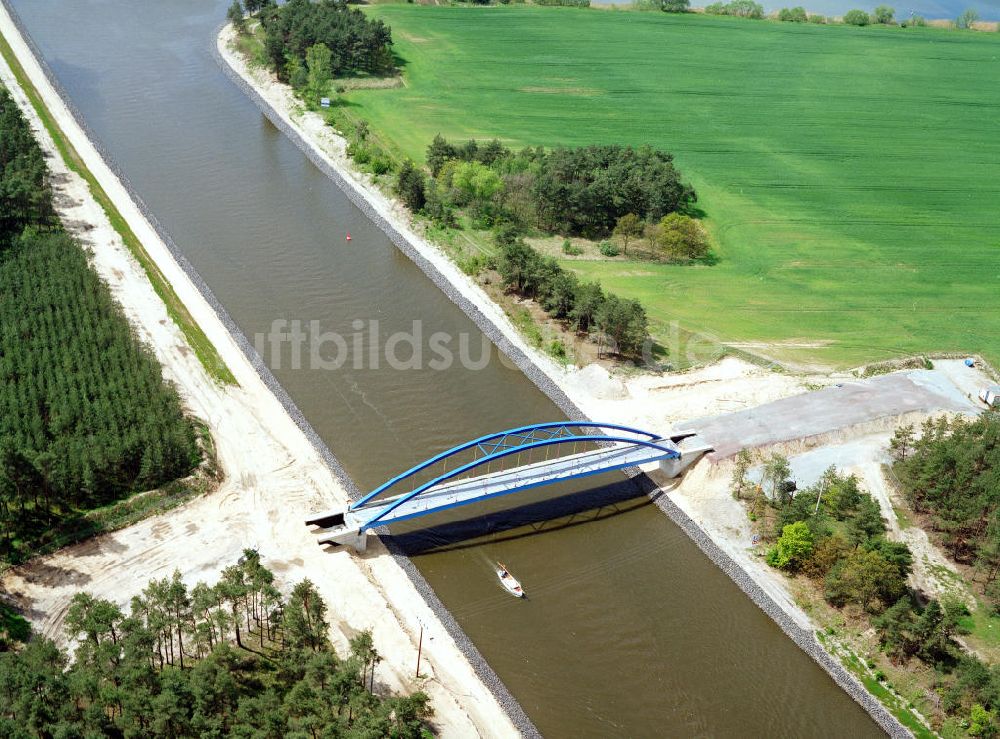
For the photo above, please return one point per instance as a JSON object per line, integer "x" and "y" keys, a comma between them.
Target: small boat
{"x": 348, "y": 236}
{"x": 508, "y": 581}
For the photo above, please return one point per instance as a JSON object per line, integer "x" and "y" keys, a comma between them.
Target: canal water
{"x": 629, "y": 629}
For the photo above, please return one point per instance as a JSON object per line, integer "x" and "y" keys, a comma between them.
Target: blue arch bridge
{"x": 502, "y": 464}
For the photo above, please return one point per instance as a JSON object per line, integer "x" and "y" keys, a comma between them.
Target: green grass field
{"x": 850, "y": 176}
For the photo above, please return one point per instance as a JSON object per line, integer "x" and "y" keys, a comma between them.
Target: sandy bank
{"x": 274, "y": 473}
{"x": 700, "y": 504}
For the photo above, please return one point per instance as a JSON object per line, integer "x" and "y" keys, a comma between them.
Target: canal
{"x": 630, "y": 629}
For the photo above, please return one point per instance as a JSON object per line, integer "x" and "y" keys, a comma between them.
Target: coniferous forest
{"x": 232, "y": 659}
{"x": 85, "y": 415}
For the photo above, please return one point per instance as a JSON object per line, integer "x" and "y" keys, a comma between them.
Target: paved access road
{"x": 850, "y": 404}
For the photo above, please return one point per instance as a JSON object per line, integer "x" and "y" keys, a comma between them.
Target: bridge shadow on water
{"x": 502, "y": 522}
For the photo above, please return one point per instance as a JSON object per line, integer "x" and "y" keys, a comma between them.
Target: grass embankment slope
{"x": 850, "y": 175}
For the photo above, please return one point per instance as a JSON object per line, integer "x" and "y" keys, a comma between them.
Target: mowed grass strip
{"x": 851, "y": 176}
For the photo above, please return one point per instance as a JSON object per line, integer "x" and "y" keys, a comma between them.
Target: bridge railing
{"x": 498, "y": 446}
{"x": 487, "y": 446}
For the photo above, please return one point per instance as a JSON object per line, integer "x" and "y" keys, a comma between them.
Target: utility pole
{"x": 420, "y": 647}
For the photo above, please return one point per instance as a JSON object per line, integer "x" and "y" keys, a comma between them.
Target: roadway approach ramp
{"x": 848, "y": 404}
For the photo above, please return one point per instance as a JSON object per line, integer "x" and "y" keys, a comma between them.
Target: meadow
{"x": 849, "y": 176}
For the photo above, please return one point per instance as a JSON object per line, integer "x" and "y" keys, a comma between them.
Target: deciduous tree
{"x": 628, "y": 227}
{"x": 319, "y": 72}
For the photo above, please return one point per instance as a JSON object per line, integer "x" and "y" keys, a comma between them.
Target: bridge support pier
{"x": 346, "y": 538}
{"x": 691, "y": 446}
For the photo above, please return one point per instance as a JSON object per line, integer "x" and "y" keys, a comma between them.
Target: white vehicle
{"x": 991, "y": 396}
{"x": 511, "y": 585}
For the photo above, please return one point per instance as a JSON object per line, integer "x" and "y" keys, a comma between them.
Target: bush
{"x": 818, "y": 19}
{"x": 607, "y": 249}
{"x": 794, "y": 547}
{"x": 357, "y": 151}
{"x": 793, "y": 15}
{"x": 675, "y": 6}
{"x": 916, "y": 21}
{"x": 681, "y": 237}
{"x": 474, "y": 265}
{"x": 557, "y": 349}
{"x": 570, "y": 249}
{"x": 381, "y": 165}
{"x": 856, "y": 18}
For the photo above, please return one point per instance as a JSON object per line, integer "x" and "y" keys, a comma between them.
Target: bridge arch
{"x": 503, "y": 444}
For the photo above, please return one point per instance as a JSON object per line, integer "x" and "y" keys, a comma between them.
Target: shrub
{"x": 557, "y": 349}
{"x": 608, "y": 249}
{"x": 675, "y": 6}
{"x": 816, "y": 18}
{"x": 916, "y": 21}
{"x": 681, "y": 237}
{"x": 474, "y": 264}
{"x": 357, "y": 151}
{"x": 793, "y": 547}
{"x": 381, "y": 165}
{"x": 570, "y": 249}
{"x": 981, "y": 721}
{"x": 793, "y": 15}
{"x": 856, "y": 18}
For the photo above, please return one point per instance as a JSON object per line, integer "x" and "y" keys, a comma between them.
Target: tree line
{"x": 231, "y": 659}
{"x": 884, "y": 15}
{"x": 621, "y": 326}
{"x": 85, "y": 416}
{"x": 25, "y": 197}
{"x": 351, "y": 42}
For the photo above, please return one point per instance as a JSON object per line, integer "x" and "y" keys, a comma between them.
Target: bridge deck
{"x": 495, "y": 484}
